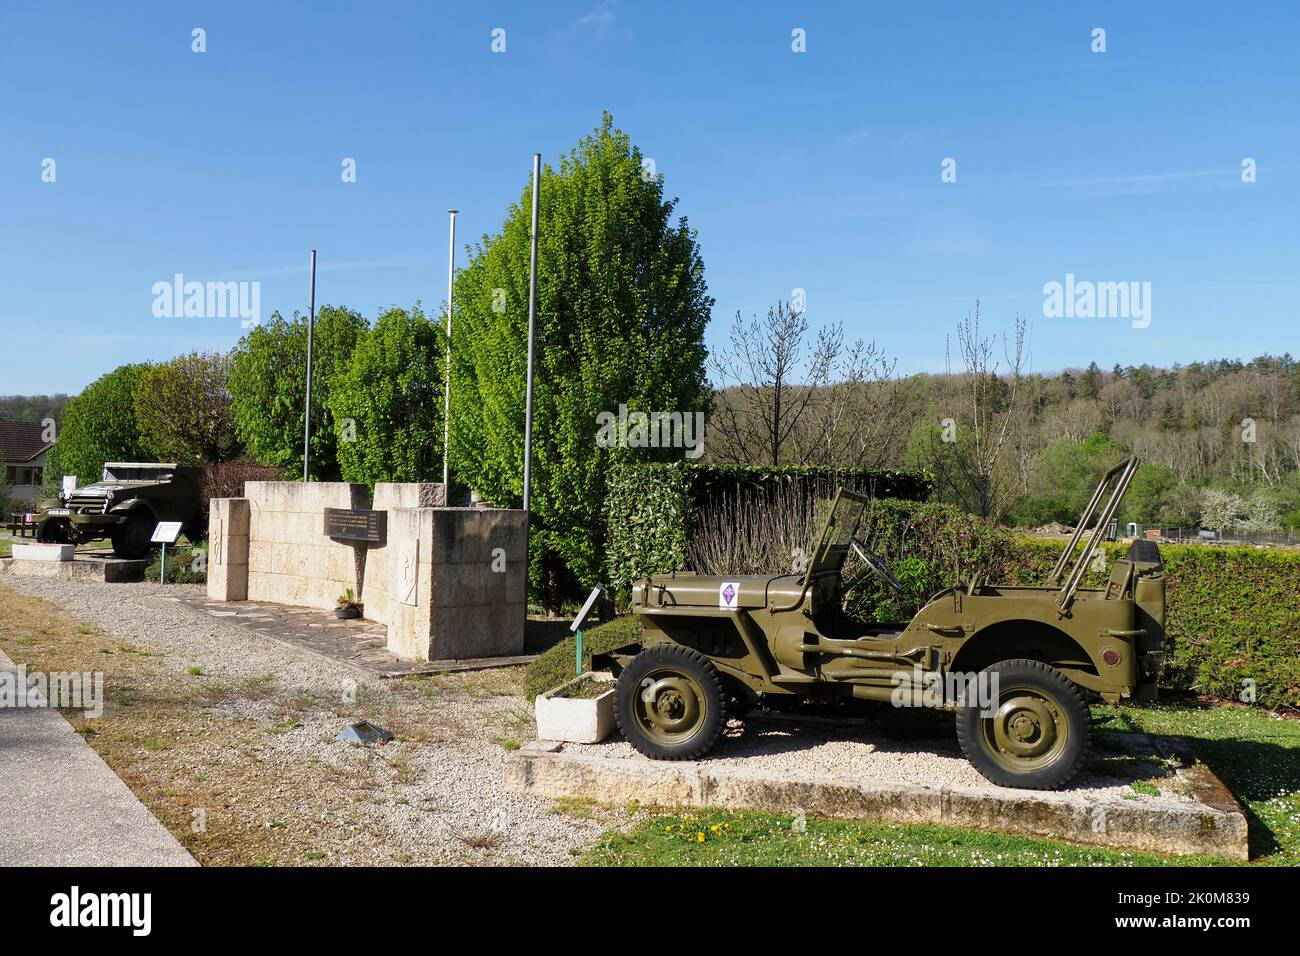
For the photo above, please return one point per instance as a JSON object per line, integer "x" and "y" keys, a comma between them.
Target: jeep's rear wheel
{"x": 670, "y": 703}
{"x": 1037, "y": 733}
{"x": 131, "y": 540}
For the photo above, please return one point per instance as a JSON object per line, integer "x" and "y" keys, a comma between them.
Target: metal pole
{"x": 306, "y": 415}
{"x": 446, "y": 389}
{"x": 532, "y": 330}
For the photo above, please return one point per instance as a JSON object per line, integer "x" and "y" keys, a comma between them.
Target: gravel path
{"x": 268, "y": 714}
{"x": 786, "y": 746}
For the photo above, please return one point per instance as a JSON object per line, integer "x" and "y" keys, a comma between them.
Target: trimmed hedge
{"x": 651, "y": 508}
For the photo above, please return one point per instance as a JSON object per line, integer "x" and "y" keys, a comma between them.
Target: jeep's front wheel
{"x": 1032, "y": 730}
{"x": 670, "y": 703}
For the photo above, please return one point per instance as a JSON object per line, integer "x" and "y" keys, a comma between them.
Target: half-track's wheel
{"x": 131, "y": 540}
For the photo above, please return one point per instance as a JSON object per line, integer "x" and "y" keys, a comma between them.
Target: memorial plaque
{"x": 356, "y": 524}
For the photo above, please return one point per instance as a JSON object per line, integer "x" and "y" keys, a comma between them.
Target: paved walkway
{"x": 61, "y": 805}
{"x": 358, "y": 642}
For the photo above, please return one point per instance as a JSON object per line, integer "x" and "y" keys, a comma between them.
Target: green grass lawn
{"x": 1255, "y": 754}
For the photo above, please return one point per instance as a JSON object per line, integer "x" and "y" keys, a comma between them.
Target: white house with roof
{"x": 22, "y": 453}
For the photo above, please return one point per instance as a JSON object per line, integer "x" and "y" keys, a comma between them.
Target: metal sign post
{"x": 576, "y": 626}
{"x": 446, "y": 389}
{"x": 165, "y": 533}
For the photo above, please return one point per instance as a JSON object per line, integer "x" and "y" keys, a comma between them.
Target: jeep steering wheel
{"x": 874, "y": 565}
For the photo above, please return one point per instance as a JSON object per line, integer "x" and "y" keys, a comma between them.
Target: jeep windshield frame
{"x": 837, "y": 535}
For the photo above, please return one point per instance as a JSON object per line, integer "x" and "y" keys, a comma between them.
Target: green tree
{"x": 387, "y": 402}
{"x": 1150, "y": 498}
{"x": 622, "y": 306}
{"x": 184, "y": 412}
{"x": 99, "y": 425}
{"x": 268, "y": 387}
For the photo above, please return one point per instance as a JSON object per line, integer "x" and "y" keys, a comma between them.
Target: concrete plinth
{"x": 44, "y": 552}
{"x": 449, "y": 583}
{"x": 1212, "y": 826}
{"x": 108, "y": 570}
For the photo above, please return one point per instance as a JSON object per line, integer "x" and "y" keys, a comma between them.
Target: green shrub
{"x": 184, "y": 566}
{"x": 557, "y": 665}
{"x": 1232, "y": 614}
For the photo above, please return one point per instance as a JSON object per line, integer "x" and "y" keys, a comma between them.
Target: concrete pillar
{"x": 228, "y": 527}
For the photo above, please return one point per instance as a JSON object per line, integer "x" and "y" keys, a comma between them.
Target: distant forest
{"x": 31, "y": 408}
{"x": 1219, "y": 439}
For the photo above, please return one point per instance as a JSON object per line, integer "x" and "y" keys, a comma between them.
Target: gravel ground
{"x": 906, "y": 749}
{"x": 265, "y": 716}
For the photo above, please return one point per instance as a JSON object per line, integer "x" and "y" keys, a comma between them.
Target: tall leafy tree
{"x": 622, "y": 307}
{"x": 99, "y": 425}
{"x": 387, "y": 401}
{"x": 268, "y": 386}
{"x": 184, "y": 412}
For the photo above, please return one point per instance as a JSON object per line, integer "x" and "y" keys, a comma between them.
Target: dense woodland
{"x": 1220, "y": 439}
{"x": 1187, "y": 423}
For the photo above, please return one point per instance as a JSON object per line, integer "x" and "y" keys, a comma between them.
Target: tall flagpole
{"x": 446, "y": 389}
{"x": 532, "y": 332}
{"x": 306, "y": 415}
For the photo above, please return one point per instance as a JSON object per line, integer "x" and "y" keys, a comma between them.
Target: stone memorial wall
{"x": 448, "y": 582}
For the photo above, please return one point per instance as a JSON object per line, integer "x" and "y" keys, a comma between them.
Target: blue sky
{"x": 816, "y": 170}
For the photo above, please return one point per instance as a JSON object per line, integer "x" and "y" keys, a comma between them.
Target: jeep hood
{"x": 719, "y": 591}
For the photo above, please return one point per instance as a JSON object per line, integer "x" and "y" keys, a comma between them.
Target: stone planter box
{"x": 576, "y": 720}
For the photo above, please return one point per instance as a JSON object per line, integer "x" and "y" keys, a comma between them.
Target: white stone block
{"x": 44, "y": 552}
{"x": 574, "y": 719}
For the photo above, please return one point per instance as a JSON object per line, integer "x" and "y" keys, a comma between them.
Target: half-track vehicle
{"x": 125, "y": 506}
{"x": 1024, "y": 659}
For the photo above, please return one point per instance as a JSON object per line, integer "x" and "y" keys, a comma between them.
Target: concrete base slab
{"x": 1202, "y": 819}
{"x": 357, "y": 643}
{"x": 83, "y": 567}
{"x": 44, "y": 552}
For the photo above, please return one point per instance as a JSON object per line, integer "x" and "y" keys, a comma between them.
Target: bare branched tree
{"x": 834, "y": 405}
{"x": 971, "y": 468}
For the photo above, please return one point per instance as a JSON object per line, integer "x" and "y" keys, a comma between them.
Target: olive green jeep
{"x": 1015, "y": 663}
{"x": 125, "y": 505}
